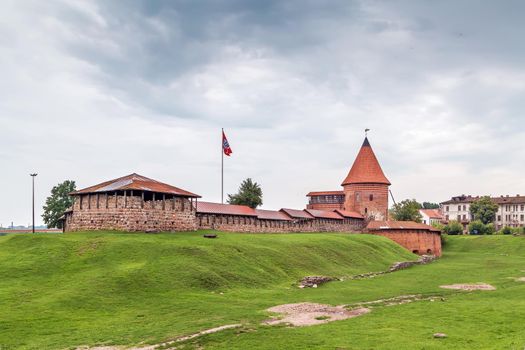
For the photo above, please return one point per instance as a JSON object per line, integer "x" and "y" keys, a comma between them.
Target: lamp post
{"x": 33, "y": 180}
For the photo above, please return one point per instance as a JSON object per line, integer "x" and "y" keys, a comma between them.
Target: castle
{"x": 365, "y": 189}
{"x": 138, "y": 203}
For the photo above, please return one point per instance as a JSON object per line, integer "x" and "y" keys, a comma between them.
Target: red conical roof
{"x": 366, "y": 168}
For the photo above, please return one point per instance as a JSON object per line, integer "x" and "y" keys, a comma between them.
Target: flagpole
{"x": 222, "y": 166}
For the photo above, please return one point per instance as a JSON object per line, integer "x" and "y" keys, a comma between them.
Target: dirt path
{"x": 165, "y": 345}
{"x": 308, "y": 314}
{"x": 469, "y": 287}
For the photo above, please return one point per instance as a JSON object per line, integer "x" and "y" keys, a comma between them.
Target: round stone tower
{"x": 366, "y": 186}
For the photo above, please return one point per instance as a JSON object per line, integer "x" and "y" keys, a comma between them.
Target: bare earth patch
{"x": 469, "y": 287}
{"x": 520, "y": 279}
{"x": 308, "y": 314}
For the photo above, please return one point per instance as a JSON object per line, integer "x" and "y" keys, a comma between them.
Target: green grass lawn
{"x": 61, "y": 291}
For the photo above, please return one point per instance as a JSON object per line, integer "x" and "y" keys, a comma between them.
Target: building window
{"x": 499, "y": 217}
{"x": 446, "y": 217}
{"x": 522, "y": 217}
{"x": 522, "y": 207}
{"x": 371, "y": 197}
{"x": 464, "y": 217}
{"x": 366, "y": 210}
{"x": 459, "y": 217}
{"x": 447, "y": 208}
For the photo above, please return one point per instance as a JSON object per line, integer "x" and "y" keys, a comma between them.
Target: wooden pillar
{"x": 107, "y": 200}
{"x": 89, "y": 200}
{"x": 116, "y": 204}
{"x": 153, "y": 202}
{"x": 80, "y": 197}
{"x": 174, "y": 203}
{"x": 125, "y": 198}
{"x": 164, "y": 201}
{"x": 182, "y": 203}
{"x": 98, "y": 200}
{"x": 142, "y": 200}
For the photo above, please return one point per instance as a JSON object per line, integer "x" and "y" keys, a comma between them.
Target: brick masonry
{"x": 130, "y": 213}
{"x": 417, "y": 241}
{"x": 232, "y": 223}
{"x": 371, "y": 200}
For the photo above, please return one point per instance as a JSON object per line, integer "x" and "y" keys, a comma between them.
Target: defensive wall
{"x": 128, "y": 212}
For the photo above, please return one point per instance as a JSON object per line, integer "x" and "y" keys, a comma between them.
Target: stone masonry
{"x": 130, "y": 213}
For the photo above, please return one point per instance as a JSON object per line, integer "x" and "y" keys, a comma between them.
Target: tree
{"x": 407, "y": 210}
{"x": 428, "y": 205}
{"x": 250, "y": 194}
{"x": 484, "y": 209}
{"x": 57, "y": 203}
{"x": 453, "y": 228}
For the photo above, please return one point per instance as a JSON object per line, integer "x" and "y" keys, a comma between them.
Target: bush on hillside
{"x": 453, "y": 228}
{"x": 506, "y": 231}
{"x": 490, "y": 229}
{"x": 444, "y": 239}
{"x": 477, "y": 227}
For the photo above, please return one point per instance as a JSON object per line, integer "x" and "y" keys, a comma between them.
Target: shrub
{"x": 444, "y": 239}
{"x": 506, "y": 230}
{"x": 476, "y": 227}
{"x": 453, "y": 228}
{"x": 490, "y": 229}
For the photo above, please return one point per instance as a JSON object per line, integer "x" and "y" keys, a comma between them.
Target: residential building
{"x": 511, "y": 210}
{"x": 431, "y": 216}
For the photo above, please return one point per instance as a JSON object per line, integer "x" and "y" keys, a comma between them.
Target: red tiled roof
{"x": 498, "y": 200}
{"x": 366, "y": 168}
{"x": 135, "y": 182}
{"x": 432, "y": 213}
{"x": 325, "y": 193}
{"x": 398, "y": 225}
{"x": 225, "y": 209}
{"x": 297, "y": 214}
{"x": 323, "y": 214}
{"x": 349, "y": 214}
{"x": 271, "y": 215}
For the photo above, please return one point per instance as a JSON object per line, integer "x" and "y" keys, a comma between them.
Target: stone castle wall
{"x": 417, "y": 241}
{"x": 130, "y": 213}
{"x": 231, "y": 223}
{"x": 371, "y": 200}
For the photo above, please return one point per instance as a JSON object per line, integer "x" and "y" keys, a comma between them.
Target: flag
{"x": 225, "y": 145}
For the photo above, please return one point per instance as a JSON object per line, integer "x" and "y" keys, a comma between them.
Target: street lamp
{"x": 33, "y": 179}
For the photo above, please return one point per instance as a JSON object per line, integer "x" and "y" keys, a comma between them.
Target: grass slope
{"x": 472, "y": 320}
{"x": 60, "y": 291}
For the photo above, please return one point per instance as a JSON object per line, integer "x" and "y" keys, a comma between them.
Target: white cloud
{"x": 96, "y": 90}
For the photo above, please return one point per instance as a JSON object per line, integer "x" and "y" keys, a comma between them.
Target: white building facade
{"x": 511, "y": 210}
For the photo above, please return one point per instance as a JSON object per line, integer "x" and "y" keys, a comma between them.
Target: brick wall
{"x": 416, "y": 241}
{"x": 130, "y": 213}
{"x": 232, "y": 223}
{"x": 371, "y": 200}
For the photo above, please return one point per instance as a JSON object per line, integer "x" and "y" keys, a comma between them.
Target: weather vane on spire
{"x": 366, "y": 132}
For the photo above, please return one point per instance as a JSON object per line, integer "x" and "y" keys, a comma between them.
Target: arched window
{"x": 366, "y": 210}
{"x": 371, "y": 197}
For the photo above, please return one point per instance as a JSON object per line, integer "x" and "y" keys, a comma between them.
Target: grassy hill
{"x": 59, "y": 291}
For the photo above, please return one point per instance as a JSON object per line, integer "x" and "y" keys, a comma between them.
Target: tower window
{"x": 366, "y": 210}
{"x": 371, "y": 197}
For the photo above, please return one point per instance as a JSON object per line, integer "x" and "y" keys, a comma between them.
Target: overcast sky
{"x": 94, "y": 90}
